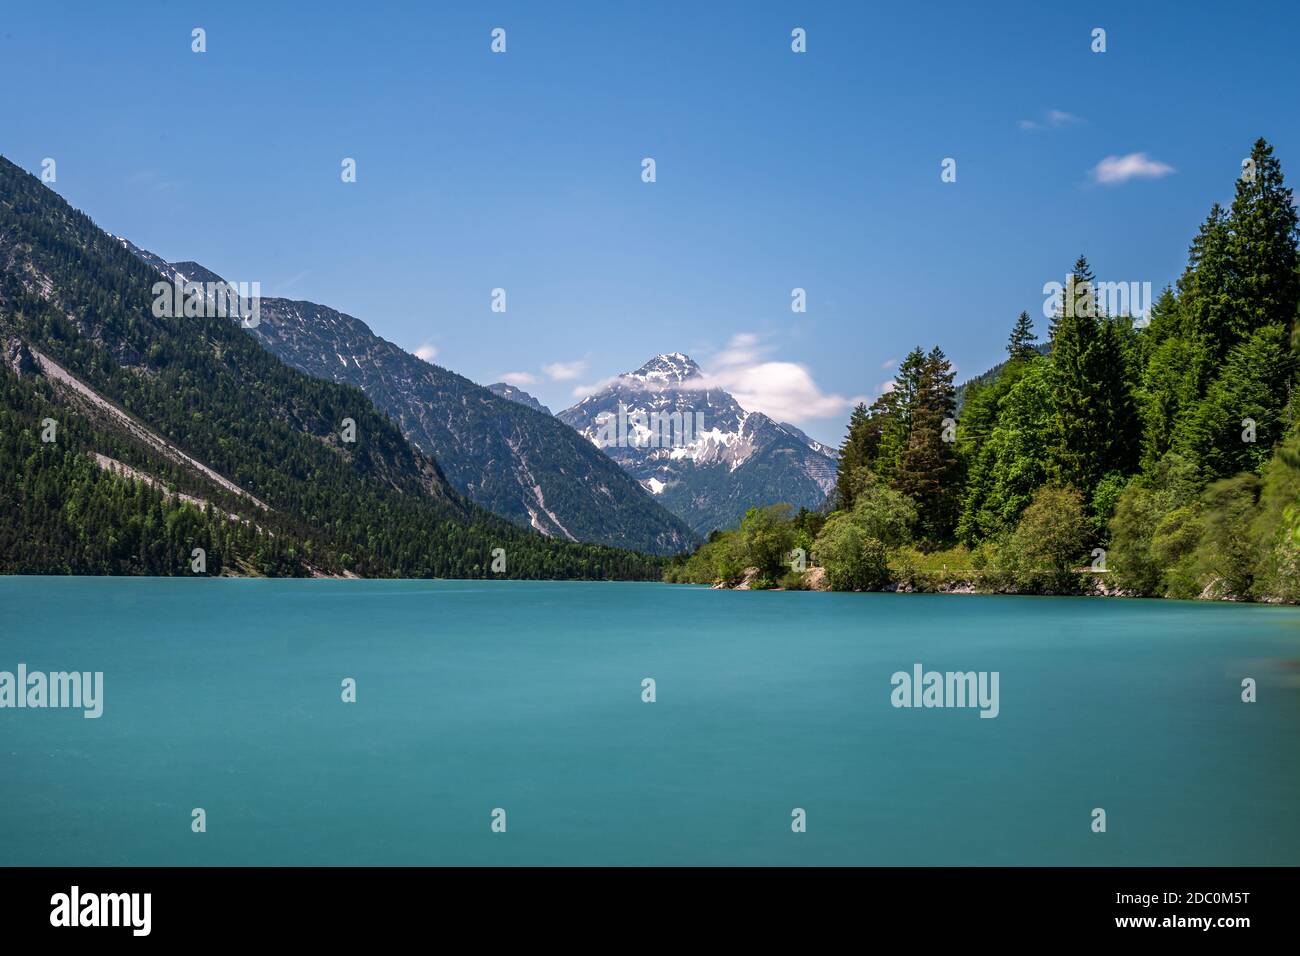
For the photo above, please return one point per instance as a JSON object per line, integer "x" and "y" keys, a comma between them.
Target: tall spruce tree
{"x": 1204, "y": 305}
{"x": 891, "y": 415}
{"x": 1022, "y": 343}
{"x": 1072, "y": 441}
{"x": 1264, "y": 286}
{"x": 1119, "y": 429}
{"x": 928, "y": 466}
{"x": 855, "y": 453}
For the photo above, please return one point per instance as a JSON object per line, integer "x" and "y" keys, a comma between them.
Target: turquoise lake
{"x": 226, "y": 695}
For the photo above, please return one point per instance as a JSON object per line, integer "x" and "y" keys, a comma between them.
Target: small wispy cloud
{"x": 565, "y": 371}
{"x": 426, "y": 351}
{"x": 742, "y": 349}
{"x": 1052, "y": 119}
{"x": 889, "y": 363}
{"x": 1114, "y": 170}
{"x": 283, "y": 288}
{"x": 519, "y": 378}
{"x": 582, "y": 391}
{"x": 154, "y": 180}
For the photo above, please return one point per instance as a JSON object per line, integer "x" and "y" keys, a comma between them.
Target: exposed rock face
{"x": 505, "y": 390}
{"x": 19, "y": 358}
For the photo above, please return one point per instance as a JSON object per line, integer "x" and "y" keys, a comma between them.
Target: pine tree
{"x": 1264, "y": 286}
{"x": 1073, "y": 436}
{"x": 1118, "y": 428}
{"x": 891, "y": 415}
{"x": 927, "y": 469}
{"x": 854, "y": 454}
{"x": 1247, "y": 399}
{"x": 1022, "y": 342}
{"x": 1204, "y": 305}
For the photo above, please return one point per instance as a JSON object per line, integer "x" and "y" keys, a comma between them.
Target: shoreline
{"x": 814, "y": 579}
{"x": 955, "y": 586}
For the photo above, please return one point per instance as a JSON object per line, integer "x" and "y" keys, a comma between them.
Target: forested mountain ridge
{"x": 1156, "y": 458}
{"x": 514, "y": 460}
{"x": 372, "y": 506}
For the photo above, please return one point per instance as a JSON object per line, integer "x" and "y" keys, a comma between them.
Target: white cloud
{"x": 889, "y": 363}
{"x": 564, "y": 371}
{"x": 1052, "y": 119}
{"x": 785, "y": 391}
{"x": 741, "y": 350}
{"x": 519, "y": 378}
{"x": 426, "y": 352}
{"x": 582, "y": 391}
{"x": 1114, "y": 170}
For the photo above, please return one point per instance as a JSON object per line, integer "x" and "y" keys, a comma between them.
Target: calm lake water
{"x": 225, "y": 695}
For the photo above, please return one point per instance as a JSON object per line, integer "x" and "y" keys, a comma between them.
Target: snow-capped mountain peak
{"x": 691, "y": 444}
{"x": 669, "y": 368}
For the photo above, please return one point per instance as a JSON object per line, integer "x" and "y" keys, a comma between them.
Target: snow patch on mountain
{"x": 694, "y": 447}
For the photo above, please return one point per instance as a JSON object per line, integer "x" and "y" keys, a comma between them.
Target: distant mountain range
{"x": 502, "y": 447}
{"x": 504, "y": 452}
{"x": 703, "y": 456}
{"x": 138, "y": 439}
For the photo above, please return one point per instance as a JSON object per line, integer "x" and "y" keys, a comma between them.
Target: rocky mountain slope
{"x": 693, "y": 446}
{"x": 514, "y": 460}
{"x": 128, "y": 438}
{"x": 504, "y": 390}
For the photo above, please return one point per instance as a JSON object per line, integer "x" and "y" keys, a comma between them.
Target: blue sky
{"x": 775, "y": 170}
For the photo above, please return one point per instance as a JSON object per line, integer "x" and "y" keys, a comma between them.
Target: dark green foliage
{"x": 856, "y": 451}
{"x": 375, "y": 507}
{"x": 1022, "y": 343}
{"x": 927, "y": 470}
{"x": 767, "y": 538}
{"x": 1275, "y": 525}
{"x": 1007, "y": 466}
{"x": 1050, "y": 543}
{"x": 907, "y": 438}
{"x": 1224, "y": 558}
{"x": 1143, "y": 538}
{"x": 853, "y": 559}
{"x": 1094, "y": 429}
{"x": 1263, "y": 287}
{"x": 1175, "y": 447}
{"x": 1247, "y": 400}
